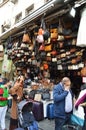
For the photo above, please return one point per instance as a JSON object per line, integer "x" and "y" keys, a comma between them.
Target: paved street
{"x": 45, "y": 124}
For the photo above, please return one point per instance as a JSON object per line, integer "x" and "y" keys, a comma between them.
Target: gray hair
{"x": 65, "y": 79}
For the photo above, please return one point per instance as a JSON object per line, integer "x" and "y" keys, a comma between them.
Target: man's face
{"x": 67, "y": 84}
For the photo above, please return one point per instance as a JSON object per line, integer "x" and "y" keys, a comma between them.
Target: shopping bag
{"x": 6, "y": 65}
{"x": 78, "y": 116}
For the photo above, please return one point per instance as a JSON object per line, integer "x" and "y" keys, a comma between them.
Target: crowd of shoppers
{"x": 16, "y": 91}
{"x": 62, "y": 96}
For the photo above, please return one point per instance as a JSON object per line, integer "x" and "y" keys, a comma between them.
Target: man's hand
{"x": 66, "y": 88}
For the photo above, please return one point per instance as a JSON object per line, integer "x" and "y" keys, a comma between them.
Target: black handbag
{"x": 32, "y": 94}
{"x": 46, "y": 33}
{"x": 46, "y": 96}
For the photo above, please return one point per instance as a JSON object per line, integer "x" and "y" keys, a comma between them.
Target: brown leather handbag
{"x": 54, "y": 33}
{"x": 48, "y": 47}
{"x": 83, "y": 71}
{"x": 26, "y": 37}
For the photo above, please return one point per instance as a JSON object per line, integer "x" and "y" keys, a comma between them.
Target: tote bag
{"x": 6, "y": 65}
{"x": 78, "y": 116}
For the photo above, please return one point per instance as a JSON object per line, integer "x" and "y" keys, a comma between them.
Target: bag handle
{"x": 43, "y": 26}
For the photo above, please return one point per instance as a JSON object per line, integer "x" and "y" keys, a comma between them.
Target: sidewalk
{"x": 45, "y": 124}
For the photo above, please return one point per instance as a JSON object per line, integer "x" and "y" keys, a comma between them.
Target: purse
{"x": 48, "y": 47}
{"x": 83, "y": 71}
{"x": 54, "y": 33}
{"x": 40, "y": 38}
{"x": 46, "y": 96}
{"x": 78, "y": 116}
{"x": 26, "y": 38}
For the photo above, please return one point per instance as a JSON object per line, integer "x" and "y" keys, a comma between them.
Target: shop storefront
{"x": 44, "y": 44}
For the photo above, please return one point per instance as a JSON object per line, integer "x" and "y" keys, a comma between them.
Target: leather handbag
{"x": 42, "y": 54}
{"x": 54, "y": 33}
{"x": 42, "y": 47}
{"x": 46, "y": 96}
{"x": 32, "y": 94}
{"x": 83, "y": 71}
{"x": 37, "y": 97}
{"x": 60, "y": 28}
{"x": 40, "y": 31}
{"x": 48, "y": 56}
{"x": 48, "y": 47}
{"x": 46, "y": 33}
{"x": 26, "y": 38}
{"x": 45, "y": 66}
{"x": 40, "y": 38}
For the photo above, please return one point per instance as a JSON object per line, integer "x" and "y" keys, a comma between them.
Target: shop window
{"x": 4, "y": 0}
{"x": 29, "y": 9}
{"x": 1, "y": 1}
{"x": 18, "y": 17}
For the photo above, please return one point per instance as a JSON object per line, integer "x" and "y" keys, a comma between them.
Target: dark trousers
{"x": 13, "y": 124}
{"x": 59, "y": 122}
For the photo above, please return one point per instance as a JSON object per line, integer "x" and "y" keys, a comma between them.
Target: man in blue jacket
{"x": 62, "y": 103}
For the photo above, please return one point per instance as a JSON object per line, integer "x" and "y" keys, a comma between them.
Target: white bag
{"x": 40, "y": 39}
{"x": 6, "y": 65}
{"x": 78, "y": 116}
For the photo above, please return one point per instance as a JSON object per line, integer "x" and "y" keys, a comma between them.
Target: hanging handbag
{"x": 83, "y": 71}
{"x": 42, "y": 47}
{"x": 40, "y": 38}
{"x": 46, "y": 33}
{"x": 54, "y": 33}
{"x": 48, "y": 47}
{"x": 26, "y": 38}
{"x": 60, "y": 28}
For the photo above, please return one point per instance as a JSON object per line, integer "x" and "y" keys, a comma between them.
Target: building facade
{"x": 13, "y": 11}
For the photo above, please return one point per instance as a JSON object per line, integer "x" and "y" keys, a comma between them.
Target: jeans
{"x": 2, "y": 116}
{"x": 59, "y": 122}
